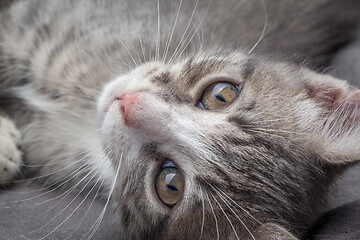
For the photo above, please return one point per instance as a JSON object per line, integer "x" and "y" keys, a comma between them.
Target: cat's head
{"x": 217, "y": 144}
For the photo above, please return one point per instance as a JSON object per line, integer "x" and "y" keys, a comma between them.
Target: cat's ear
{"x": 337, "y": 121}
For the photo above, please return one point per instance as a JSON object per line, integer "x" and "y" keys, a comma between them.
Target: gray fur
{"x": 263, "y": 162}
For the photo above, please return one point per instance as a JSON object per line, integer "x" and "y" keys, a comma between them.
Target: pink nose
{"x": 126, "y": 103}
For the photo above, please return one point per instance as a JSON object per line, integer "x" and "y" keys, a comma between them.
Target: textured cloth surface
{"x": 341, "y": 223}
{"x": 341, "y": 220}
{"x": 27, "y": 211}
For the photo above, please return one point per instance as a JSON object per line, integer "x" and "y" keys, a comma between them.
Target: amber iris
{"x": 169, "y": 184}
{"x": 218, "y": 95}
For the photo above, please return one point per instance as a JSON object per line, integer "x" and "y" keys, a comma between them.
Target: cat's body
{"x": 257, "y": 168}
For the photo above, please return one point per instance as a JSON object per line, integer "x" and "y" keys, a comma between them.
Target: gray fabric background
{"x": 341, "y": 220}
{"x": 25, "y": 215}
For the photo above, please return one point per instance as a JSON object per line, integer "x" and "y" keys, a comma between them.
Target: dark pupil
{"x": 220, "y": 98}
{"x": 172, "y": 188}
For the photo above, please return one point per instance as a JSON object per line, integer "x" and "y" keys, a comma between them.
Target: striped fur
{"x": 257, "y": 169}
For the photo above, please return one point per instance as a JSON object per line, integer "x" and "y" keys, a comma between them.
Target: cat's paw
{"x": 10, "y": 154}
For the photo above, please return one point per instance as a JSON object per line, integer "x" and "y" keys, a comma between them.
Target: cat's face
{"x": 214, "y": 145}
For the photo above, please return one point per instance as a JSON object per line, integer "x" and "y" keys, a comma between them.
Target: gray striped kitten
{"x": 165, "y": 107}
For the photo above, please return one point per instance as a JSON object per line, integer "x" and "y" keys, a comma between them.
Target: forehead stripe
{"x": 248, "y": 69}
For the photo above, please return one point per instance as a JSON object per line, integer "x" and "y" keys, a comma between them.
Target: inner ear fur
{"x": 337, "y": 123}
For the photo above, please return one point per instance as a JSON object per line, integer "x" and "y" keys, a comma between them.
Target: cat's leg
{"x": 272, "y": 231}
{"x": 10, "y": 154}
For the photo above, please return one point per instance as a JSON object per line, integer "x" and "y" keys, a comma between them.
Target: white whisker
{"x": 55, "y": 184}
{"x": 127, "y": 50}
{"x": 271, "y": 120}
{"x": 94, "y": 228}
{"x": 54, "y": 163}
{"x": 253, "y": 127}
{"x": 241, "y": 221}
{"x": 142, "y": 49}
{"x": 203, "y": 212}
{"x": 158, "y": 38}
{"x": 172, "y": 32}
{"x": 232, "y": 226}
{"x": 219, "y": 190}
{"x": 264, "y": 28}
{"x": 185, "y": 32}
{"x": 195, "y": 31}
{"x": 216, "y": 221}
{"x": 51, "y": 190}
{"x": 49, "y": 174}
{"x": 57, "y": 187}
{"x": 88, "y": 210}
{"x": 68, "y": 192}
{"x": 57, "y": 215}
{"x": 138, "y": 36}
{"x": 72, "y": 213}
{"x": 269, "y": 134}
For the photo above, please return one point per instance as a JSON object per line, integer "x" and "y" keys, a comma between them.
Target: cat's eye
{"x": 218, "y": 95}
{"x": 169, "y": 184}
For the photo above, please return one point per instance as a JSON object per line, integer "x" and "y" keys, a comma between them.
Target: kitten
{"x": 188, "y": 139}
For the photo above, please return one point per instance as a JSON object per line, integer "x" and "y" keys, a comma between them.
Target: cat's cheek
{"x": 112, "y": 119}
{"x": 111, "y": 130}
